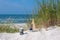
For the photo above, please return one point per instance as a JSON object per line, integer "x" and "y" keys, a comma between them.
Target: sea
{"x": 15, "y": 18}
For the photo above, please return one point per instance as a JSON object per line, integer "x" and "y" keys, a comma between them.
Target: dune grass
{"x": 48, "y": 13}
{"x": 8, "y": 29}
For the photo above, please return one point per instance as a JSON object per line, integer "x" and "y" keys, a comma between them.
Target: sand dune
{"x": 51, "y": 34}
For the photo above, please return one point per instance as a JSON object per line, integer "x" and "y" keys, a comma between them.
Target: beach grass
{"x": 8, "y": 29}
{"x": 48, "y": 13}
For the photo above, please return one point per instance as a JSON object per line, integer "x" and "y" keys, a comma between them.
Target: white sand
{"x": 51, "y": 34}
{"x": 17, "y": 25}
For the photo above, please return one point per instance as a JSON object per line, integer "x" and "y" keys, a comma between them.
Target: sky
{"x": 17, "y": 6}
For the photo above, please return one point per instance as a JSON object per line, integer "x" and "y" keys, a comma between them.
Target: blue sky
{"x": 16, "y": 6}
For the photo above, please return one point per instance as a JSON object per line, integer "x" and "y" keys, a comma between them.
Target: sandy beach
{"x": 17, "y": 25}
{"x": 51, "y": 34}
